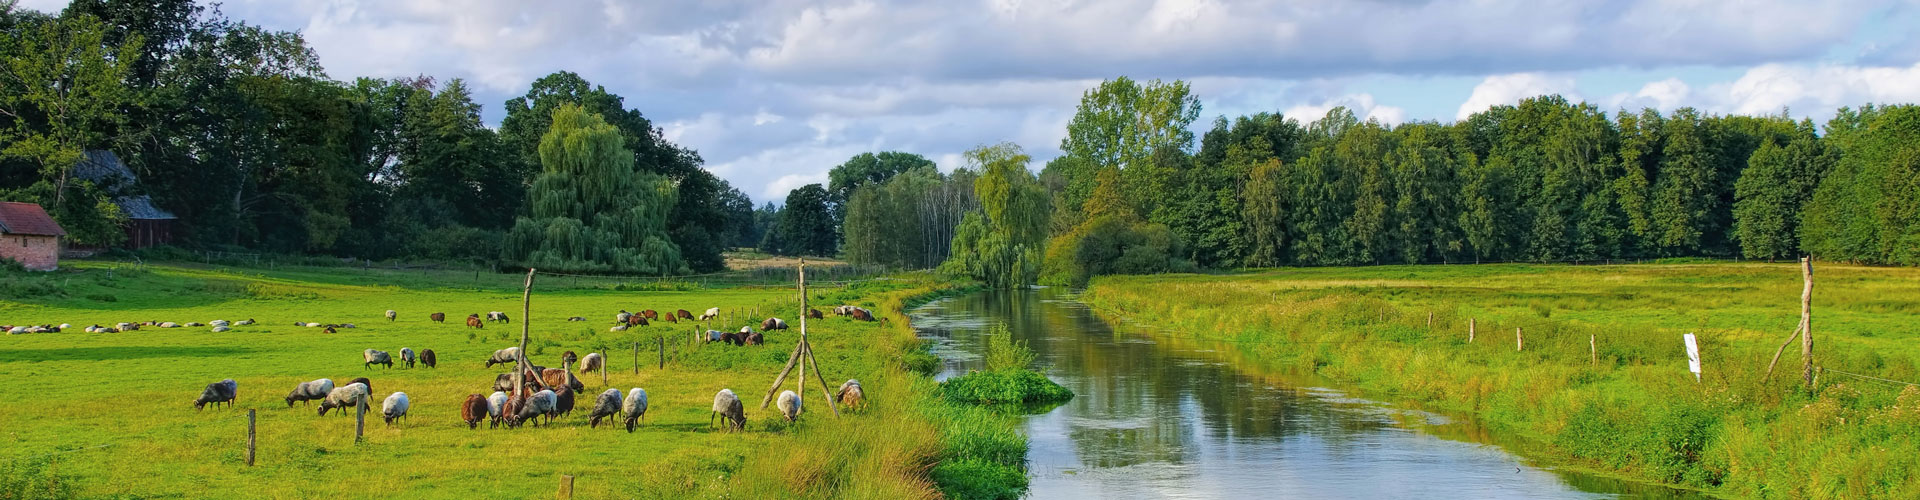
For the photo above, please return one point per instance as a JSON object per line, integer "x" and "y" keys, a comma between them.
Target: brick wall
{"x": 40, "y": 253}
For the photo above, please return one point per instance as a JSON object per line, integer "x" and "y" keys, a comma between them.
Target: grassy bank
{"x": 1636, "y": 410}
{"x": 108, "y": 414}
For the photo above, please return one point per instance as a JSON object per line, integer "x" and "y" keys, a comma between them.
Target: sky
{"x": 774, "y": 93}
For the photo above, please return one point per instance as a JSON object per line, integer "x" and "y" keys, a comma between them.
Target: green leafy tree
{"x": 1121, "y": 124}
{"x": 592, "y": 209}
{"x": 805, "y": 225}
{"x": 1772, "y": 193}
{"x": 62, "y": 91}
{"x": 1002, "y": 243}
{"x": 1683, "y": 198}
{"x": 1264, "y": 212}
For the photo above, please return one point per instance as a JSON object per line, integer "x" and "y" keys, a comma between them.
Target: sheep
{"x": 789, "y": 404}
{"x": 406, "y": 356}
{"x": 438, "y": 317}
{"x": 650, "y": 314}
{"x": 815, "y": 314}
{"x": 309, "y": 391}
{"x": 168, "y": 324}
{"x": 125, "y": 326}
{"x": 635, "y": 406}
{"x": 712, "y": 312}
{"x": 672, "y": 319}
{"x": 314, "y": 325}
{"x": 495, "y": 404}
{"x": 473, "y": 410}
{"x": 842, "y": 310}
{"x": 221, "y": 329}
{"x": 362, "y": 381}
{"x": 756, "y": 338}
{"x": 605, "y": 406}
{"x": 354, "y": 394}
{"x": 850, "y": 394}
{"x": 392, "y": 315}
{"x": 394, "y": 408}
{"x": 329, "y": 330}
{"x": 772, "y": 324}
{"x": 636, "y": 320}
{"x": 716, "y": 336}
{"x": 196, "y": 324}
{"x": 62, "y": 326}
{"x": 503, "y": 382}
{"x": 555, "y": 377}
{"x": 593, "y": 361}
{"x": 219, "y": 322}
{"x": 622, "y": 317}
{"x": 499, "y": 316}
{"x": 224, "y": 391}
{"x": 473, "y": 321}
{"x": 244, "y": 322}
{"x": 618, "y": 328}
{"x": 427, "y": 358}
{"x": 377, "y": 357}
{"x": 504, "y": 356}
{"x": 567, "y": 359}
{"x": 862, "y": 315}
{"x": 534, "y": 406}
{"x": 683, "y": 314}
{"x": 576, "y": 318}
{"x": 727, "y": 406}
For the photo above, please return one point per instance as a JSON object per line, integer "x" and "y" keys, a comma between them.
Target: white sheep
{"x": 712, "y": 312}
{"x": 406, "y": 356}
{"x": 622, "y": 317}
{"x": 498, "y": 316}
{"x": 540, "y": 403}
{"x": 244, "y": 322}
{"x": 504, "y": 356}
{"x": 354, "y": 394}
{"x": 593, "y": 361}
{"x": 394, "y": 407}
{"x": 221, "y": 329}
{"x": 850, "y": 394}
{"x": 618, "y": 328}
{"x": 605, "y": 406}
{"x": 391, "y": 314}
{"x": 377, "y": 357}
{"x": 219, "y": 322}
{"x": 635, "y": 407}
{"x": 789, "y": 405}
{"x": 727, "y": 406}
{"x": 308, "y": 391}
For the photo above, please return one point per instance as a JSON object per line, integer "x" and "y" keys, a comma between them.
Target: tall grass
{"x": 1635, "y": 410}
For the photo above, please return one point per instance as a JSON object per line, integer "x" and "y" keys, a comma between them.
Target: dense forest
{"x": 238, "y": 131}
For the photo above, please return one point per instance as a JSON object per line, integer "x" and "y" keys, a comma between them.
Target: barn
{"x": 147, "y": 225}
{"x": 28, "y": 235}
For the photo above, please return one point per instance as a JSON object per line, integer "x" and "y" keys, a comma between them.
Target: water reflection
{"x": 1156, "y": 419}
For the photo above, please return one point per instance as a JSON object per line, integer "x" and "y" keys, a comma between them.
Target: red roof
{"x": 27, "y": 219}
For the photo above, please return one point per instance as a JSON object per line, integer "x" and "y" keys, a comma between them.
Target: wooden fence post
{"x": 636, "y": 358}
{"x": 603, "y": 367}
{"x": 663, "y": 352}
{"x": 1806, "y": 321}
{"x": 1519, "y": 340}
{"x": 1593, "y": 350}
{"x": 566, "y": 487}
{"x": 360, "y": 421}
{"x": 250, "y": 437}
{"x": 1470, "y": 325}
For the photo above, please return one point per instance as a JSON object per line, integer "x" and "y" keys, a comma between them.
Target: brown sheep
{"x": 671, "y": 319}
{"x": 862, "y": 315}
{"x": 562, "y": 403}
{"x": 567, "y": 359}
{"x": 438, "y": 317}
{"x": 555, "y": 377}
{"x": 636, "y": 320}
{"x": 756, "y": 338}
{"x": 815, "y": 314}
{"x": 427, "y": 358}
{"x": 362, "y": 381}
{"x": 651, "y": 314}
{"x": 473, "y": 321}
{"x": 772, "y": 324}
{"x": 683, "y": 314}
{"x": 851, "y": 395}
{"x": 474, "y": 410}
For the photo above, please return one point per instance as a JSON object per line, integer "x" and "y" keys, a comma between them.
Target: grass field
{"x": 1401, "y": 333}
{"x": 109, "y": 414}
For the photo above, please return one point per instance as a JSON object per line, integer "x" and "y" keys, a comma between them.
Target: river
{"x": 1156, "y": 416}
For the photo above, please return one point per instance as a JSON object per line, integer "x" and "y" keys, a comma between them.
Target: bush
{"x": 1004, "y": 387}
{"x": 979, "y": 479}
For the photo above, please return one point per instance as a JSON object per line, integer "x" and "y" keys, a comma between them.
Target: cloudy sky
{"x": 773, "y": 93}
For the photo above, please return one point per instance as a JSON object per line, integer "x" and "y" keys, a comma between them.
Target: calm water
{"x": 1156, "y": 417}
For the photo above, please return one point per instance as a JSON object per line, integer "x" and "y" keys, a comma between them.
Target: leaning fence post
{"x": 1470, "y": 326}
{"x": 1519, "y": 341}
{"x": 360, "y": 421}
{"x": 663, "y": 352}
{"x": 250, "y": 437}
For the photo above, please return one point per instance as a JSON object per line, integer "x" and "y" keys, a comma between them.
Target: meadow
{"x": 109, "y": 415}
{"x": 1602, "y": 382}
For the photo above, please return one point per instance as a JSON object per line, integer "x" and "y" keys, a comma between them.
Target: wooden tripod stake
{"x": 803, "y": 356}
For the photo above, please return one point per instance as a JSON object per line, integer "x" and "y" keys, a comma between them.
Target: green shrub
{"x": 1004, "y": 387}
{"x": 979, "y": 479}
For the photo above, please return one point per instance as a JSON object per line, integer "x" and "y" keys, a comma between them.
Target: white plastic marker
{"x": 1693, "y": 357}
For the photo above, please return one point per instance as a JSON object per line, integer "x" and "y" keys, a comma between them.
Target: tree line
{"x": 1543, "y": 180}
{"x": 239, "y": 132}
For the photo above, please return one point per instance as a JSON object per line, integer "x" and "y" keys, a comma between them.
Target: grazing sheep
{"x": 672, "y": 319}
{"x": 635, "y": 406}
{"x": 576, "y": 318}
{"x": 862, "y": 315}
{"x": 329, "y": 330}
{"x": 756, "y": 338}
{"x": 224, "y": 391}
{"x": 716, "y": 335}
{"x": 495, "y": 404}
{"x": 168, "y": 324}
{"x": 556, "y": 377}
{"x": 712, "y": 312}
{"x": 362, "y": 381}
{"x": 427, "y": 358}
{"x": 354, "y": 394}
{"x": 309, "y": 391}
{"x": 815, "y": 314}
{"x": 727, "y": 406}
{"x": 473, "y": 410}
{"x": 196, "y": 324}
{"x": 406, "y": 356}
{"x": 842, "y": 310}
{"x": 683, "y": 314}
{"x": 772, "y": 324}
{"x": 504, "y": 356}
{"x": 650, "y": 314}
{"x": 377, "y": 357}
{"x": 605, "y": 406}
{"x": 567, "y": 359}
{"x": 244, "y": 322}
{"x": 438, "y": 317}
{"x": 313, "y": 325}
{"x": 219, "y": 322}
{"x": 622, "y": 317}
{"x": 221, "y": 329}
{"x": 618, "y": 328}
{"x": 392, "y": 315}
{"x": 534, "y": 406}
{"x": 394, "y": 407}
{"x": 789, "y": 404}
{"x": 593, "y": 361}
{"x": 503, "y": 382}
{"x": 636, "y": 320}
{"x": 850, "y": 394}
{"x": 125, "y": 326}
{"x": 499, "y": 316}
{"x": 473, "y": 321}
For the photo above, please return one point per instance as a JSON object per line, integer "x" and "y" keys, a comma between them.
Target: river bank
{"x": 1624, "y": 403}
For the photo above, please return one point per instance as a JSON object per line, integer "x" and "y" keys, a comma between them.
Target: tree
{"x": 61, "y": 92}
{"x": 1264, "y": 212}
{"x": 1865, "y": 209}
{"x": 868, "y": 168}
{"x": 805, "y": 226}
{"x": 1120, "y": 124}
{"x": 1001, "y": 243}
{"x": 1684, "y": 201}
{"x": 1773, "y": 191}
{"x": 592, "y": 209}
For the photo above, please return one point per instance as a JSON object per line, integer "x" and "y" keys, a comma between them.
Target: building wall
{"x": 142, "y": 233}
{"x": 39, "y": 253}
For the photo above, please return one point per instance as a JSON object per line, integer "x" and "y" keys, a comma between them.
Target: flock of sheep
{"x": 219, "y": 325}
{"x": 544, "y": 392}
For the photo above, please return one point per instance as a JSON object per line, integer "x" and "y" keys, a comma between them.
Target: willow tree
{"x": 1001, "y": 243}
{"x": 592, "y": 210}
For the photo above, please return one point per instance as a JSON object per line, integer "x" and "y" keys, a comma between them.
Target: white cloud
{"x": 1362, "y": 105}
{"x": 1817, "y": 88}
{"x": 1509, "y": 89}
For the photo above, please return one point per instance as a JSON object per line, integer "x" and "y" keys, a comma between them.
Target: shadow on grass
{"x": 117, "y": 353}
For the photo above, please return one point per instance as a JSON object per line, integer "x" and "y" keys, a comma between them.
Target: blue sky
{"x": 774, "y": 93}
